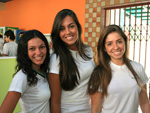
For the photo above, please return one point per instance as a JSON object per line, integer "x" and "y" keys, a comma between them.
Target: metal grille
{"x": 135, "y": 22}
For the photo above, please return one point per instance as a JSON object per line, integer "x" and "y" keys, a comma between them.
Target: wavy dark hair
{"x": 102, "y": 75}
{"x": 68, "y": 72}
{"x": 10, "y": 33}
{"x": 24, "y": 62}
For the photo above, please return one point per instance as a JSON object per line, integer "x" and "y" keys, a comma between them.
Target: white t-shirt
{"x": 10, "y": 48}
{"x": 34, "y": 99}
{"x": 77, "y": 100}
{"x": 123, "y": 90}
{"x": 1, "y": 44}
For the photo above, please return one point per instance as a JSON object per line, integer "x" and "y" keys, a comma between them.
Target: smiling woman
{"x": 29, "y": 85}
{"x": 68, "y": 76}
{"x": 36, "y": 52}
{"x": 117, "y": 82}
{"x": 115, "y": 47}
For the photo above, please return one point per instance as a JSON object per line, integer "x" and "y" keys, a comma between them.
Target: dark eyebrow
{"x": 120, "y": 39}
{"x": 71, "y": 23}
{"x": 116, "y": 40}
{"x": 68, "y": 25}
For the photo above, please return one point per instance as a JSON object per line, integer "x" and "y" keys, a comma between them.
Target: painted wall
{"x": 7, "y": 68}
{"x": 38, "y": 14}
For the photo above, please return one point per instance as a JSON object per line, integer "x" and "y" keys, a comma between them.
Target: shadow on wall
{"x": 7, "y": 69}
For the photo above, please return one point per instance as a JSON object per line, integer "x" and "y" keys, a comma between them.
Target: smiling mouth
{"x": 38, "y": 58}
{"x": 69, "y": 38}
{"x": 117, "y": 53}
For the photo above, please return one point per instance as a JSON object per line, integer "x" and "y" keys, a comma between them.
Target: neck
{"x": 10, "y": 40}
{"x": 39, "y": 70}
{"x": 118, "y": 62}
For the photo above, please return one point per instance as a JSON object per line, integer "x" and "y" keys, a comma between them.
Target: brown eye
{"x": 62, "y": 28}
{"x": 31, "y": 49}
{"x": 41, "y": 47}
{"x": 109, "y": 44}
{"x": 120, "y": 41}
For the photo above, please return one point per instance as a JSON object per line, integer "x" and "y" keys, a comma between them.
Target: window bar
{"x": 129, "y": 21}
{"x": 110, "y": 17}
{"x": 107, "y": 16}
{"x": 146, "y": 44}
{"x": 134, "y": 32}
{"x": 140, "y": 34}
{"x": 129, "y": 38}
{"x": 146, "y": 36}
{"x": 130, "y": 25}
{"x": 119, "y": 16}
{"x": 114, "y": 16}
{"x": 124, "y": 18}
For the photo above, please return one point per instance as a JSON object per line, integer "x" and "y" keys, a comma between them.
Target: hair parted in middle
{"x": 69, "y": 73}
{"x": 24, "y": 62}
{"x": 102, "y": 73}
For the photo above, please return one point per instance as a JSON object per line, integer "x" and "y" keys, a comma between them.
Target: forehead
{"x": 35, "y": 41}
{"x": 67, "y": 20}
{"x": 114, "y": 36}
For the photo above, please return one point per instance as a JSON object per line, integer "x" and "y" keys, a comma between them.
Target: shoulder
{"x": 19, "y": 82}
{"x": 136, "y": 65}
{"x": 6, "y": 44}
{"x": 54, "y": 57}
{"x": 14, "y": 43}
{"x": 54, "y": 64}
{"x": 20, "y": 75}
{"x": 88, "y": 51}
{"x": 87, "y": 47}
{"x": 138, "y": 68}
{"x": 54, "y": 60}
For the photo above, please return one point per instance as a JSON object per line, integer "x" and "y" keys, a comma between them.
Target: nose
{"x": 67, "y": 30}
{"x": 38, "y": 51}
{"x": 115, "y": 46}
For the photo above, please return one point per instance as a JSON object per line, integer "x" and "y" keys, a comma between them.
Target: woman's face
{"x": 115, "y": 47}
{"x": 69, "y": 32}
{"x": 36, "y": 52}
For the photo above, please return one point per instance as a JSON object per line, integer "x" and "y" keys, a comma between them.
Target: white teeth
{"x": 69, "y": 38}
{"x": 116, "y": 53}
{"x": 38, "y": 57}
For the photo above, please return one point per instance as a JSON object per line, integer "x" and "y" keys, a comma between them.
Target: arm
{"x": 10, "y": 102}
{"x": 55, "y": 87}
{"x": 96, "y": 102}
{"x": 143, "y": 101}
{"x": 5, "y": 50}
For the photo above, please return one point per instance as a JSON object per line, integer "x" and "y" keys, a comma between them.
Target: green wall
{"x": 7, "y": 69}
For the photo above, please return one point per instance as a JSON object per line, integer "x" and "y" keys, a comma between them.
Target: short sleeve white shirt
{"x": 34, "y": 99}
{"x": 123, "y": 90}
{"x": 10, "y": 48}
{"x": 77, "y": 100}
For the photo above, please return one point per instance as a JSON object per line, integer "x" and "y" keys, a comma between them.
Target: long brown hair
{"x": 102, "y": 74}
{"x": 69, "y": 74}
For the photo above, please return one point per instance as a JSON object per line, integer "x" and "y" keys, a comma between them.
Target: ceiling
{"x": 4, "y": 1}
